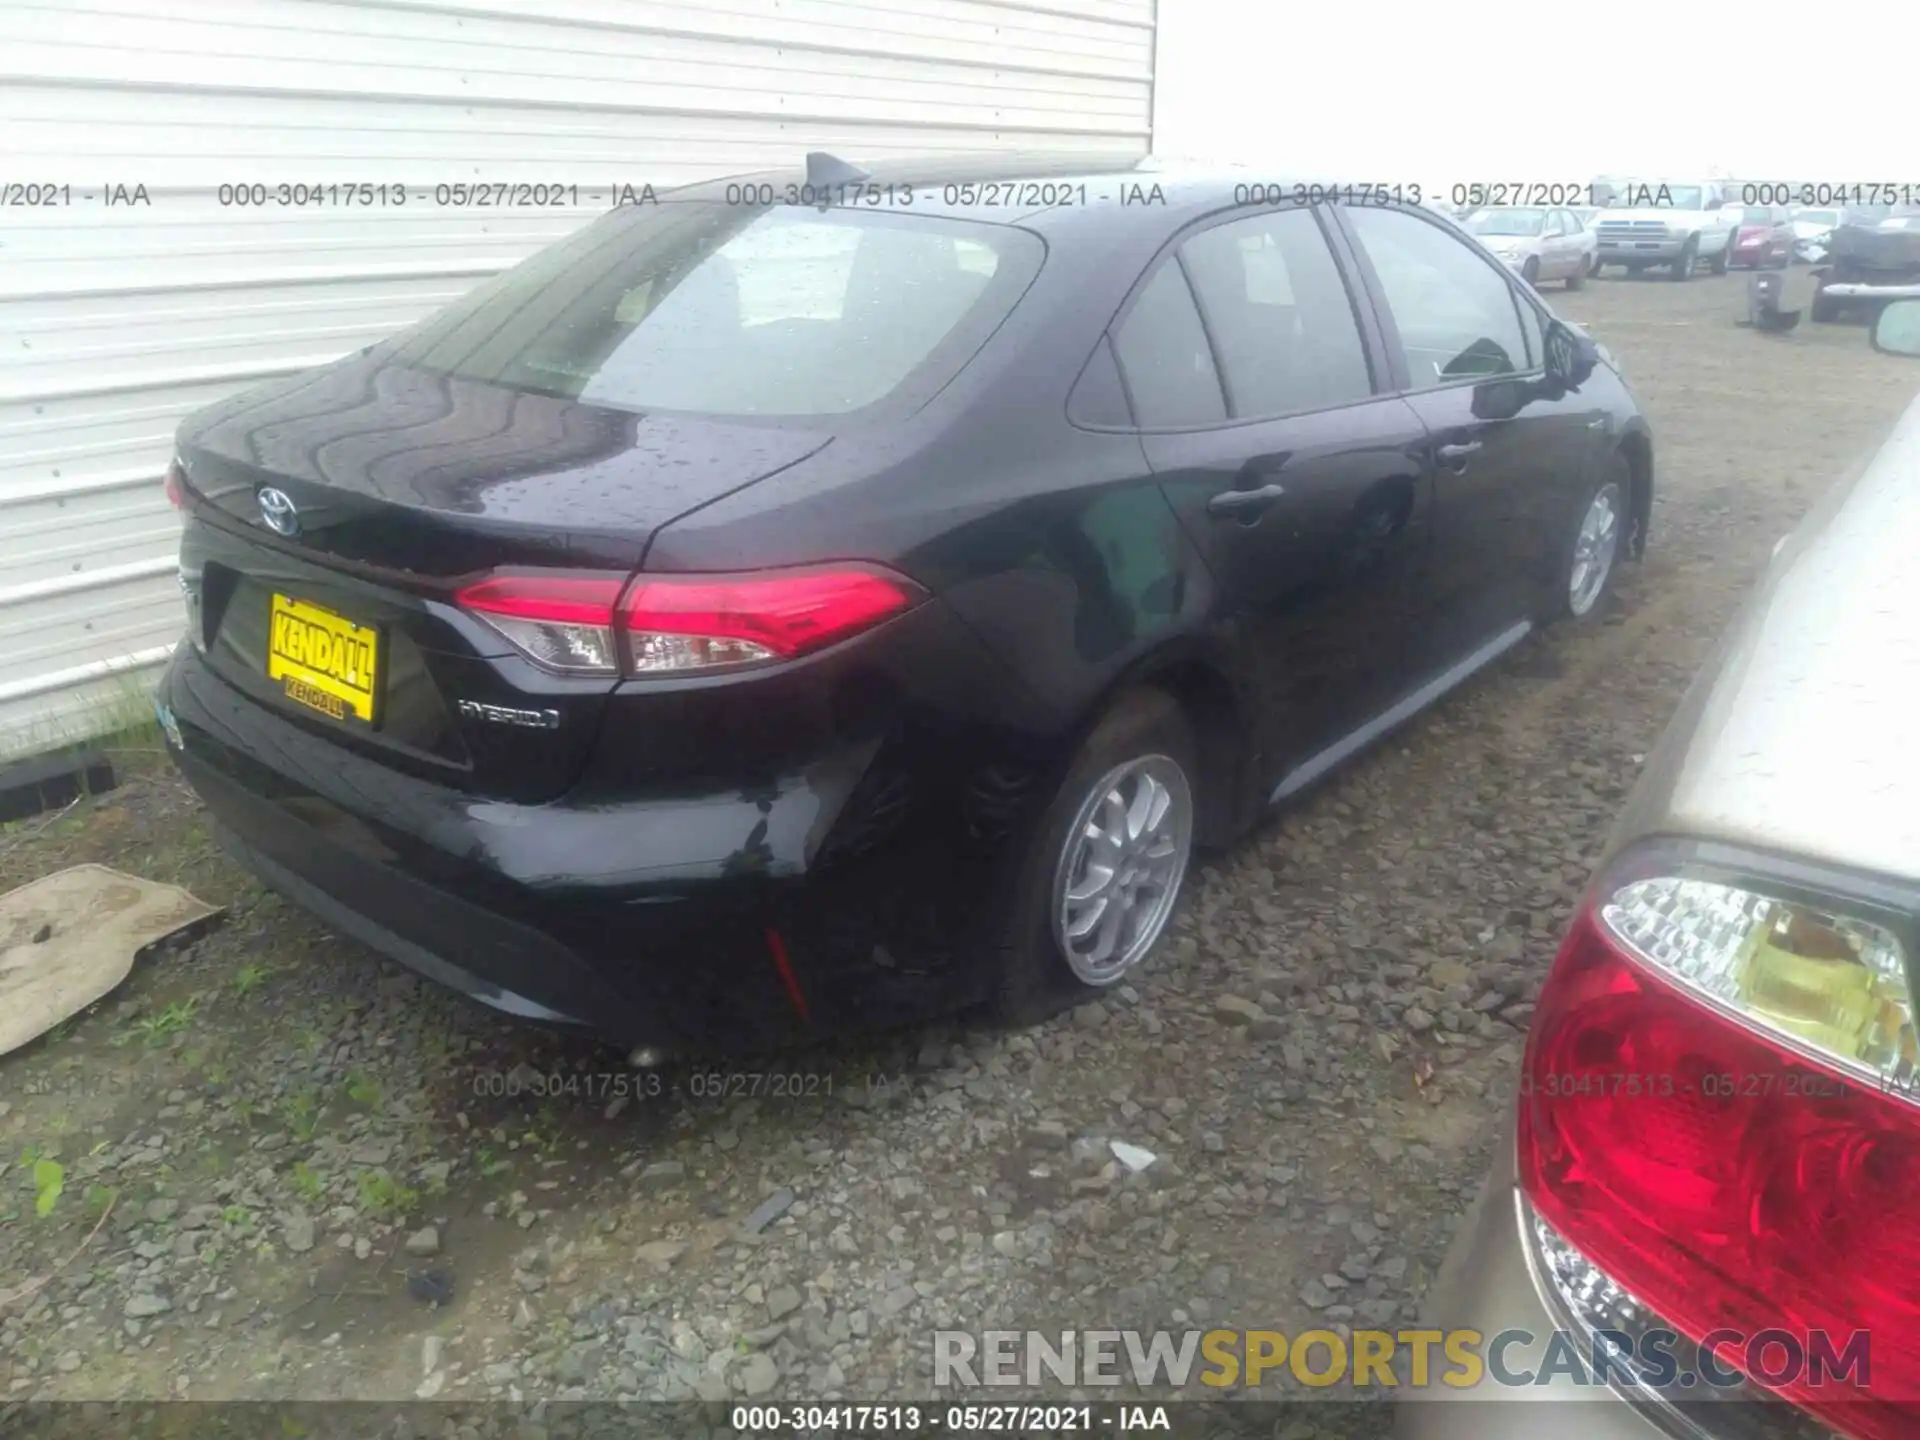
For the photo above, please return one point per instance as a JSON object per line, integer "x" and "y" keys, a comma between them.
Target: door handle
{"x": 1244, "y": 502}
{"x": 1454, "y": 457}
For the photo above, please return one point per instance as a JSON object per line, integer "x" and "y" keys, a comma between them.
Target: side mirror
{"x": 1571, "y": 356}
{"x": 1896, "y": 329}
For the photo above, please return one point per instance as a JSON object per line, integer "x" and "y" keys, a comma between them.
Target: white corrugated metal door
{"x": 130, "y": 294}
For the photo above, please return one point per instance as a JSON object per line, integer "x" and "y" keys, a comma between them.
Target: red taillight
{"x": 1720, "y": 1177}
{"x": 556, "y": 597}
{"x": 176, "y": 486}
{"x": 560, "y": 619}
{"x": 666, "y": 624}
{"x": 690, "y": 622}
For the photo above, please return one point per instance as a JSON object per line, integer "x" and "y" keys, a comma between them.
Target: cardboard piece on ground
{"x": 94, "y": 921}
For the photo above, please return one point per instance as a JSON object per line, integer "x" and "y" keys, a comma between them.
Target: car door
{"x": 1251, "y": 366}
{"x": 1578, "y": 244}
{"x": 1553, "y": 247}
{"x": 1466, "y": 342}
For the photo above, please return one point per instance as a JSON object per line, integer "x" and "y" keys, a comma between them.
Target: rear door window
{"x": 1164, "y": 356}
{"x": 718, "y": 310}
{"x": 1279, "y": 315}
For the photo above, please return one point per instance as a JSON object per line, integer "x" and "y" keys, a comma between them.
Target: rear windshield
{"x": 727, "y": 310}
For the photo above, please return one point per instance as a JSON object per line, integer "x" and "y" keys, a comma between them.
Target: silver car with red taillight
{"x": 1708, "y": 1221}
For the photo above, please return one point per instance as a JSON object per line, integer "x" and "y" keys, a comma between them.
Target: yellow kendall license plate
{"x": 323, "y": 660}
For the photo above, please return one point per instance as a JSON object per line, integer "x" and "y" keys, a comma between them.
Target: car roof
{"x": 1092, "y": 184}
{"x": 1800, "y": 739}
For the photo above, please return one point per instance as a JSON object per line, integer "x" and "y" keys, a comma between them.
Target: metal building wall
{"x": 118, "y": 319}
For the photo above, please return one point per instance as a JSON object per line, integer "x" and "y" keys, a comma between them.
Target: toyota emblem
{"x": 277, "y": 510}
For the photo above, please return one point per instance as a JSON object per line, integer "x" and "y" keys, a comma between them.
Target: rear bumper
{"x": 1852, "y": 290}
{"x": 1487, "y": 1284}
{"x": 713, "y": 922}
{"x": 1484, "y": 1284}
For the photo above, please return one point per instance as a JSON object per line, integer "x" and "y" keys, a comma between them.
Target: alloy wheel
{"x": 1120, "y": 869}
{"x": 1594, "y": 549}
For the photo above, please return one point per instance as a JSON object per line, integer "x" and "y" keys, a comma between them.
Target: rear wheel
{"x": 1530, "y": 272}
{"x": 1101, "y": 876}
{"x": 1688, "y": 257}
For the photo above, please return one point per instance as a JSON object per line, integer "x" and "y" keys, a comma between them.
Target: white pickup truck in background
{"x": 1668, "y": 223}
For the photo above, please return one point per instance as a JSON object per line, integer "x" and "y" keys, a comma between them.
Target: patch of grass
{"x": 113, "y": 714}
{"x": 306, "y": 1182}
{"x": 300, "y": 1113}
{"x": 249, "y": 978}
{"x": 491, "y": 1164}
{"x": 156, "y": 1028}
{"x": 310, "y": 1042}
{"x": 49, "y": 1182}
{"x": 238, "y": 1217}
{"x": 61, "y": 1029}
{"x": 363, "y": 1089}
{"x": 98, "y": 1198}
{"x": 386, "y": 1197}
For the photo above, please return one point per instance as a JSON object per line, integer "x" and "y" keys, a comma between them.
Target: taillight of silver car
{"x": 594, "y": 623}
{"x": 1719, "y": 1119}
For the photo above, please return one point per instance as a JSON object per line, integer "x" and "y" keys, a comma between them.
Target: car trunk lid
{"x": 338, "y": 513}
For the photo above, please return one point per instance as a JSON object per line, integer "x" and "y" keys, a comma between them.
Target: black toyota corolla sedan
{"x": 812, "y": 602}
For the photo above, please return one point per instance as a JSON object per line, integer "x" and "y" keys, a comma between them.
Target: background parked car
{"x": 1763, "y": 237}
{"x": 1873, "y": 256}
{"x": 1666, "y": 223}
{"x": 1716, "y": 1127}
{"x": 1813, "y": 226}
{"x": 1537, "y": 242}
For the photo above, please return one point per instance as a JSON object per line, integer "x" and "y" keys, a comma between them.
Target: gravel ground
{"x": 314, "y": 1184}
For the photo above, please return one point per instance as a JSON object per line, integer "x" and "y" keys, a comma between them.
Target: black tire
{"x": 1688, "y": 257}
{"x": 1822, "y": 310}
{"x": 1559, "y": 606}
{"x": 1724, "y": 259}
{"x": 1530, "y": 272}
{"x": 1033, "y": 979}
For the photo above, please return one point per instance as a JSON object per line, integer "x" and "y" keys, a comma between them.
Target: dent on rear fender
{"x": 1070, "y": 595}
{"x": 771, "y": 828}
